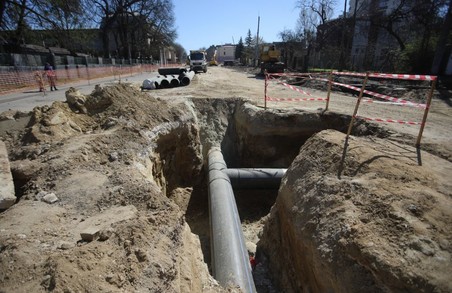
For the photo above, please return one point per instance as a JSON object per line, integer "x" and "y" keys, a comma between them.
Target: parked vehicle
{"x": 198, "y": 60}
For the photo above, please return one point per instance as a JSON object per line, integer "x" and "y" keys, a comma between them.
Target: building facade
{"x": 372, "y": 45}
{"x": 226, "y": 53}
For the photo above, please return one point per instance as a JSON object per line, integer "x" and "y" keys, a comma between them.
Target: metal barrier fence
{"x": 18, "y": 80}
{"x": 375, "y": 98}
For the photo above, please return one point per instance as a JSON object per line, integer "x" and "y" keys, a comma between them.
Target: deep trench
{"x": 274, "y": 145}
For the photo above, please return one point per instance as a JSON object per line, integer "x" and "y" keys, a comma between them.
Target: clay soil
{"x": 128, "y": 172}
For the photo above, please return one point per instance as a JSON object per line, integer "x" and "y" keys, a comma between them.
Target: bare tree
{"x": 59, "y": 16}
{"x": 413, "y": 22}
{"x": 319, "y": 11}
{"x": 135, "y": 25}
{"x": 312, "y": 14}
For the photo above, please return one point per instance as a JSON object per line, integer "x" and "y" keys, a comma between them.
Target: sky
{"x": 202, "y": 23}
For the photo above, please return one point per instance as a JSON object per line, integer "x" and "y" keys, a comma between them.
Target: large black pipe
{"x": 255, "y": 178}
{"x": 230, "y": 260}
{"x": 171, "y": 70}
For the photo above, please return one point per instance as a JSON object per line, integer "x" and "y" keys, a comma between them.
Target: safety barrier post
{"x": 120, "y": 67}
{"x": 424, "y": 119}
{"x": 265, "y": 89}
{"x": 87, "y": 74}
{"x": 427, "y": 108}
{"x": 352, "y": 121}
{"x": 330, "y": 77}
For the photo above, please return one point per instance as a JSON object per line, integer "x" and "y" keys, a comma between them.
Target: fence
{"x": 17, "y": 80}
{"x": 373, "y": 97}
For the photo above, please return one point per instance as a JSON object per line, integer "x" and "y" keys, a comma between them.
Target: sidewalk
{"x": 26, "y": 100}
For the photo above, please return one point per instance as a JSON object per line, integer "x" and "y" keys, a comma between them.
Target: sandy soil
{"x": 126, "y": 167}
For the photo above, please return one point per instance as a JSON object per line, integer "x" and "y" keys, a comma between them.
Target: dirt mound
{"x": 72, "y": 172}
{"x": 382, "y": 227}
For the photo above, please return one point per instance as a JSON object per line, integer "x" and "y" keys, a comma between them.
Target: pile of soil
{"x": 113, "y": 227}
{"x": 383, "y": 226}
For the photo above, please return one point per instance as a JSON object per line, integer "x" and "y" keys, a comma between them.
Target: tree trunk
{"x": 442, "y": 53}
{"x": 20, "y": 29}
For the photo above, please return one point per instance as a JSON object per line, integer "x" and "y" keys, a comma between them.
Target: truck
{"x": 270, "y": 59}
{"x": 198, "y": 60}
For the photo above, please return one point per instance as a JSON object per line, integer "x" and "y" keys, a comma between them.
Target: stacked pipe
{"x": 169, "y": 77}
{"x": 230, "y": 260}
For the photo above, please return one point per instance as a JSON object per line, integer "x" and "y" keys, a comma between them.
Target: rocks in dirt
{"x": 97, "y": 227}
{"x": 66, "y": 245}
{"x": 47, "y": 197}
{"x": 50, "y": 198}
{"x": 76, "y": 100}
{"x": 114, "y": 156}
{"x": 7, "y": 194}
{"x": 53, "y": 123}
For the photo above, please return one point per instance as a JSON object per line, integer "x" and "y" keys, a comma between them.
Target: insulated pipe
{"x": 173, "y": 80}
{"x": 186, "y": 77}
{"x": 164, "y": 83}
{"x": 230, "y": 260}
{"x": 171, "y": 70}
{"x": 158, "y": 81}
{"x": 262, "y": 178}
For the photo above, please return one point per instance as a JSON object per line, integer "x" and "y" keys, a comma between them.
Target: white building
{"x": 226, "y": 53}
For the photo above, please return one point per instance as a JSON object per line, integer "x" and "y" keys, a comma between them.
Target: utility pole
{"x": 256, "y": 57}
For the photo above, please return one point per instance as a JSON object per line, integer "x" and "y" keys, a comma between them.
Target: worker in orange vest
{"x": 50, "y": 75}
{"x": 40, "y": 80}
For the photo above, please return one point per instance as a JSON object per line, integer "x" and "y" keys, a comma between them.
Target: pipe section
{"x": 171, "y": 70}
{"x": 262, "y": 178}
{"x": 186, "y": 77}
{"x": 157, "y": 81}
{"x": 164, "y": 83}
{"x": 173, "y": 80}
{"x": 230, "y": 260}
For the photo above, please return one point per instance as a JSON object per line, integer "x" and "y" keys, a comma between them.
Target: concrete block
{"x": 7, "y": 194}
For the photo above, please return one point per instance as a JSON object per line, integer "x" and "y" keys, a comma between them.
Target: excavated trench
{"x": 249, "y": 137}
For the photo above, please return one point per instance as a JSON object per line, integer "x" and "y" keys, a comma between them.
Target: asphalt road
{"x": 26, "y": 100}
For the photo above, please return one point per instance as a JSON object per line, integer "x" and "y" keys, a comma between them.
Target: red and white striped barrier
{"x": 396, "y": 101}
{"x": 271, "y": 75}
{"x": 294, "y": 99}
{"x": 295, "y": 89}
{"x": 389, "y": 120}
{"x": 390, "y": 76}
{"x": 404, "y": 76}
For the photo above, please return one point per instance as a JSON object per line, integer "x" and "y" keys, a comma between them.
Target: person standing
{"x": 40, "y": 80}
{"x": 50, "y": 75}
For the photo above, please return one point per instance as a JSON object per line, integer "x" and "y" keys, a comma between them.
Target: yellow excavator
{"x": 213, "y": 61}
{"x": 270, "y": 59}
